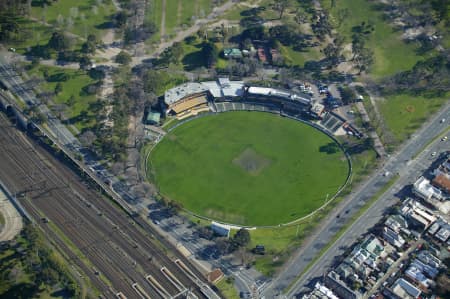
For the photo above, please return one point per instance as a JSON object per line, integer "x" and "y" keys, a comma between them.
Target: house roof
{"x": 215, "y": 275}
{"x": 401, "y": 287}
{"x": 232, "y": 52}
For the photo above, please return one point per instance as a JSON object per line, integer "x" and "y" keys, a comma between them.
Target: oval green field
{"x": 248, "y": 168}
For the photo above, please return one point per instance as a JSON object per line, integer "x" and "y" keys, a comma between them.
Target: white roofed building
{"x": 425, "y": 190}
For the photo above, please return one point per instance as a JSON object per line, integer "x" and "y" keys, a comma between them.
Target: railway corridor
{"x": 122, "y": 257}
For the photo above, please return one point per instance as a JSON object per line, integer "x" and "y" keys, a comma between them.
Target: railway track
{"x": 121, "y": 251}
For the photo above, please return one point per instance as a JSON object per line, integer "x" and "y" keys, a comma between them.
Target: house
{"x": 393, "y": 238}
{"x": 415, "y": 274}
{"x": 426, "y": 257}
{"x": 396, "y": 223}
{"x": 444, "y": 233}
{"x": 405, "y": 290}
{"x": 425, "y": 268}
{"x": 423, "y": 189}
{"x": 417, "y": 214}
{"x": 232, "y": 53}
{"x": 320, "y": 292}
{"x": 333, "y": 282}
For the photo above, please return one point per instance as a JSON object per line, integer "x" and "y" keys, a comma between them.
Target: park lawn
{"x": 172, "y": 17}
{"x": 391, "y": 54}
{"x": 248, "y": 168}
{"x": 204, "y": 8}
{"x": 2, "y": 219}
{"x": 296, "y": 58}
{"x": 80, "y": 113}
{"x": 94, "y": 20}
{"x": 404, "y": 114}
{"x": 153, "y": 13}
{"x": 31, "y": 34}
{"x": 227, "y": 289}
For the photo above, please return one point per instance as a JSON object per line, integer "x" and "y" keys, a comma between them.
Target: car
{"x": 433, "y": 154}
{"x": 443, "y": 120}
{"x": 444, "y": 138}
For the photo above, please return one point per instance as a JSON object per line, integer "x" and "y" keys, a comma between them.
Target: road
{"x": 115, "y": 246}
{"x": 324, "y": 234}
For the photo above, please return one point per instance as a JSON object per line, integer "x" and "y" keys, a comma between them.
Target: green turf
{"x": 87, "y": 15}
{"x": 178, "y": 13}
{"x": 227, "y": 289}
{"x": 2, "y": 219}
{"x": 31, "y": 34}
{"x": 194, "y": 165}
{"x": 171, "y": 15}
{"x": 392, "y": 55}
{"x": 404, "y": 114}
{"x": 296, "y": 58}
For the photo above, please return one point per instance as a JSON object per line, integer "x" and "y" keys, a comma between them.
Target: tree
{"x": 323, "y": 26}
{"x": 241, "y": 238}
{"x": 59, "y": 42}
{"x": 90, "y": 45}
{"x": 210, "y": 53}
{"x": 120, "y": 19}
{"x": 331, "y": 53}
{"x": 364, "y": 60}
{"x": 152, "y": 81}
{"x": 173, "y": 54}
{"x": 301, "y": 18}
{"x": 281, "y": 5}
{"x": 71, "y": 101}
{"x": 58, "y": 88}
{"x": 123, "y": 58}
{"x": 357, "y": 45}
{"x": 85, "y": 63}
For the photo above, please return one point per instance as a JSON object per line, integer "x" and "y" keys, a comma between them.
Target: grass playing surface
{"x": 248, "y": 168}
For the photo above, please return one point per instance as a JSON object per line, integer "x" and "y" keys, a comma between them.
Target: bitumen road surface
{"x": 402, "y": 162}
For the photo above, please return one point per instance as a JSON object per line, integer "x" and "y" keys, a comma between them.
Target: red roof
{"x": 442, "y": 182}
{"x": 215, "y": 275}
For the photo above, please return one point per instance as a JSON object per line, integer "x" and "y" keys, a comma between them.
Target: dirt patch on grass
{"x": 251, "y": 162}
{"x": 410, "y": 109}
{"x": 172, "y": 137}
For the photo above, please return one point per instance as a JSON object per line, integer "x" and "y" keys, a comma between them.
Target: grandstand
{"x": 246, "y": 106}
{"x": 189, "y": 105}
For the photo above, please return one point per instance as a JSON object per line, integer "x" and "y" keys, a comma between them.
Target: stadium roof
{"x": 178, "y": 92}
{"x": 223, "y": 87}
{"x": 267, "y": 91}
